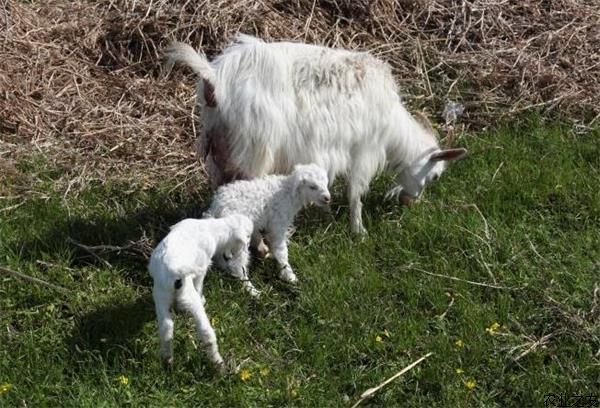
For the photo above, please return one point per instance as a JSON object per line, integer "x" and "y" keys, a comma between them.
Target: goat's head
{"x": 428, "y": 167}
{"x": 310, "y": 183}
{"x": 241, "y": 231}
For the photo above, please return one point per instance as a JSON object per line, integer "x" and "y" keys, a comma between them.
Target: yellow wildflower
{"x": 294, "y": 392}
{"x": 459, "y": 343}
{"x": 123, "y": 380}
{"x": 378, "y": 339}
{"x": 470, "y": 384}
{"x": 493, "y": 328}
{"x": 5, "y": 388}
{"x": 264, "y": 371}
{"x": 245, "y": 374}
{"x": 213, "y": 321}
{"x": 459, "y": 371}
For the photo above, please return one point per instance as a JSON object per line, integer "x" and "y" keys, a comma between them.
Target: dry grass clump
{"x": 80, "y": 81}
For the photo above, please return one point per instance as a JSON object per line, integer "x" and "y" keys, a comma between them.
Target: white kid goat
{"x": 270, "y": 106}
{"x": 178, "y": 266}
{"x": 272, "y": 202}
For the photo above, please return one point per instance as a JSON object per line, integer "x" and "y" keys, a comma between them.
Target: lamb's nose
{"x": 327, "y": 198}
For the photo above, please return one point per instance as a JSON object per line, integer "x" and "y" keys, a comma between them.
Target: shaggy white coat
{"x": 281, "y": 104}
{"x": 178, "y": 266}
{"x": 272, "y": 202}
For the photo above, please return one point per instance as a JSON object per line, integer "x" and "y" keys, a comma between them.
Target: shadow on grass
{"x": 111, "y": 330}
{"x": 101, "y": 239}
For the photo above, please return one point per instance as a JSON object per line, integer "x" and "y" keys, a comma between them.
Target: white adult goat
{"x": 179, "y": 264}
{"x": 270, "y": 106}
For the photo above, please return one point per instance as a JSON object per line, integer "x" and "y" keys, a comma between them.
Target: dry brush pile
{"x": 81, "y": 81}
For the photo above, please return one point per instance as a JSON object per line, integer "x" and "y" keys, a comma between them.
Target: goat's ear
{"x": 449, "y": 154}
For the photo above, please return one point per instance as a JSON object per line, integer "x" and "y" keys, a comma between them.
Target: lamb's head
{"x": 413, "y": 178}
{"x": 241, "y": 231}
{"x": 310, "y": 184}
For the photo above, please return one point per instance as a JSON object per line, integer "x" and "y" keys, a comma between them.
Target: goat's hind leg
{"x": 163, "y": 299}
{"x": 191, "y": 301}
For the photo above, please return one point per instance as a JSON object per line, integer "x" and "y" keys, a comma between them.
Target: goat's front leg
{"x": 356, "y": 222}
{"x": 279, "y": 249}
{"x": 358, "y": 184}
{"x": 163, "y": 298}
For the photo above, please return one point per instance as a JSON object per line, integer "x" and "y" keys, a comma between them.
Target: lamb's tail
{"x": 185, "y": 54}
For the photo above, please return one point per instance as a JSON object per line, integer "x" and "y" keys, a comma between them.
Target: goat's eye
{"x": 313, "y": 187}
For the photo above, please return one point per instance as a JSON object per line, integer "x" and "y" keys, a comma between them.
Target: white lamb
{"x": 178, "y": 266}
{"x": 270, "y": 106}
{"x": 272, "y": 202}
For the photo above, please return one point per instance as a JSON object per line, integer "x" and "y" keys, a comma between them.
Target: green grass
{"x": 523, "y": 211}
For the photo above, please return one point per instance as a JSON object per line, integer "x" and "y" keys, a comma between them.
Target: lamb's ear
{"x": 449, "y": 154}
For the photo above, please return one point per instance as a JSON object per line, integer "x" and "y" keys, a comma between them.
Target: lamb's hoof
{"x": 287, "y": 275}
{"x": 221, "y": 368}
{"x": 255, "y": 293}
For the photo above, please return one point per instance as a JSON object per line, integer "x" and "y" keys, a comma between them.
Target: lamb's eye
{"x": 435, "y": 177}
{"x": 313, "y": 187}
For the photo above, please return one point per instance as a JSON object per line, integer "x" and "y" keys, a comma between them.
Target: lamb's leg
{"x": 198, "y": 283}
{"x": 163, "y": 298}
{"x": 191, "y": 301}
{"x": 238, "y": 268}
{"x": 280, "y": 253}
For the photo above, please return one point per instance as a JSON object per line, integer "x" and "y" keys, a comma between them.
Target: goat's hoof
{"x": 288, "y": 276}
{"x": 167, "y": 361}
{"x": 359, "y": 230}
{"x": 263, "y": 254}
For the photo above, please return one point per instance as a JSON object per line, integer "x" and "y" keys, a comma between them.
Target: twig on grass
{"x": 454, "y": 278}
{"x": 34, "y": 280}
{"x": 371, "y": 391}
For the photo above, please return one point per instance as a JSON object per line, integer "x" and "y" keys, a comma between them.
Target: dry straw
{"x": 80, "y": 81}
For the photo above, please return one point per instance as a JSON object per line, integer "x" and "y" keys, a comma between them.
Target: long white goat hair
{"x": 280, "y": 104}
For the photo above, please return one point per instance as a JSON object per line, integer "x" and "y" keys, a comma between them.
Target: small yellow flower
{"x": 214, "y": 321}
{"x": 493, "y": 328}
{"x": 5, "y": 388}
{"x": 470, "y": 384}
{"x": 386, "y": 333}
{"x": 378, "y": 339}
{"x": 245, "y": 374}
{"x": 294, "y": 392}
{"x": 123, "y": 380}
{"x": 459, "y": 371}
{"x": 459, "y": 343}
{"x": 264, "y": 371}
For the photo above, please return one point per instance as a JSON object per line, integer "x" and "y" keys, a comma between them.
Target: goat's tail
{"x": 184, "y": 53}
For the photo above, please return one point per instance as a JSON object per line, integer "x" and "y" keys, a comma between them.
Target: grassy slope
{"x": 523, "y": 210}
